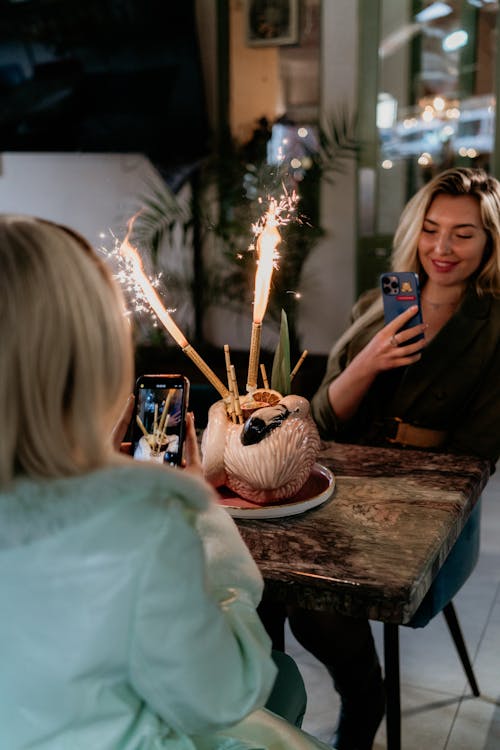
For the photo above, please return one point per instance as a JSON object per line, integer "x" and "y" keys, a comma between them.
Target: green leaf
{"x": 280, "y": 377}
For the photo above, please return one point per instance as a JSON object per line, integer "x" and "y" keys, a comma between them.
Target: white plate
{"x": 318, "y": 488}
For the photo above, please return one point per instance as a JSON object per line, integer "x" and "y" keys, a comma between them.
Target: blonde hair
{"x": 457, "y": 181}
{"x": 66, "y": 363}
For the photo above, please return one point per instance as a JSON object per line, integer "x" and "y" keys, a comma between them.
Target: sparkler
{"x": 268, "y": 239}
{"x": 134, "y": 279}
{"x": 135, "y": 270}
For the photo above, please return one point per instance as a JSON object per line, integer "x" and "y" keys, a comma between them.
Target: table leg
{"x": 391, "y": 661}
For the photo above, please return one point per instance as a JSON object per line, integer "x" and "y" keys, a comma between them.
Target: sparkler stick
{"x": 264, "y": 376}
{"x": 231, "y": 408}
{"x": 165, "y": 410}
{"x": 237, "y": 404}
{"x": 207, "y": 371}
{"x": 253, "y": 357}
{"x": 162, "y": 427}
{"x": 267, "y": 243}
{"x": 161, "y": 436}
{"x": 132, "y": 257}
{"x": 297, "y": 366}
{"x": 143, "y": 429}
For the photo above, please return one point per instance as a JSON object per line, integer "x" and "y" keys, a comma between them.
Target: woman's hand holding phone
{"x": 192, "y": 459}
{"x": 406, "y": 340}
{"x": 121, "y": 427}
{"x": 394, "y": 345}
{"x": 385, "y": 351}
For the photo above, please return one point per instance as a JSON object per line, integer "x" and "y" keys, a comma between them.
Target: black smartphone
{"x": 158, "y": 426}
{"x": 401, "y": 290}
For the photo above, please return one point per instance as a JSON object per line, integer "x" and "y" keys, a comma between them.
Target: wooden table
{"x": 374, "y": 548}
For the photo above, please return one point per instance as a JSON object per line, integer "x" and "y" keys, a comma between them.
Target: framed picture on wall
{"x": 271, "y": 22}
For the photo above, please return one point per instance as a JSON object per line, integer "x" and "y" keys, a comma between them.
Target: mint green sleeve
{"x": 199, "y": 655}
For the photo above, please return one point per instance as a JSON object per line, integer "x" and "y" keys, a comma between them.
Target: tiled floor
{"x": 438, "y": 709}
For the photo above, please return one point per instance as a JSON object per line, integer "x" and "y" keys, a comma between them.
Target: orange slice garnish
{"x": 257, "y": 399}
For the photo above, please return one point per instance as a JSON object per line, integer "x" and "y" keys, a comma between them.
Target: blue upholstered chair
{"x": 457, "y": 568}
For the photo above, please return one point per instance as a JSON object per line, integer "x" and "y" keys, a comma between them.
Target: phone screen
{"x": 158, "y": 424}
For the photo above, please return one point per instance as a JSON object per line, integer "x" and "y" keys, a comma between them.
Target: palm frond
{"x": 159, "y": 211}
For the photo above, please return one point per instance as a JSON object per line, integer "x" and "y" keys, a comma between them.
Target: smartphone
{"x": 158, "y": 426}
{"x": 401, "y": 290}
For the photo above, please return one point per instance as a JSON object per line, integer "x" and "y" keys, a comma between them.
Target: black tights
{"x": 345, "y": 646}
{"x": 334, "y": 639}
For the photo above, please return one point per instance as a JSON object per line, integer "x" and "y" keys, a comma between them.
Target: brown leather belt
{"x": 403, "y": 433}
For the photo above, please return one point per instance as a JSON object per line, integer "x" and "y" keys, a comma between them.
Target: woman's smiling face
{"x": 452, "y": 240}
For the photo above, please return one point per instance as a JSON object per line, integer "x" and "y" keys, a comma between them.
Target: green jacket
{"x": 128, "y": 619}
{"x": 454, "y": 387}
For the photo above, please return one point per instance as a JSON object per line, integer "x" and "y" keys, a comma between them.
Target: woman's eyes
{"x": 454, "y": 236}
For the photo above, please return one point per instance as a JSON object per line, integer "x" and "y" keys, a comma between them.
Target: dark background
{"x": 102, "y": 76}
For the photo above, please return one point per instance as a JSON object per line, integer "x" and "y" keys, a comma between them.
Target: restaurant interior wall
{"x": 92, "y": 192}
{"x": 327, "y": 282}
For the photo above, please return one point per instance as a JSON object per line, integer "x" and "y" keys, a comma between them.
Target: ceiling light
{"x": 455, "y": 40}
{"x": 433, "y": 11}
{"x": 387, "y": 108}
{"x": 396, "y": 39}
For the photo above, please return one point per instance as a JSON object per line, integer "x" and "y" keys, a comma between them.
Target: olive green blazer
{"x": 454, "y": 387}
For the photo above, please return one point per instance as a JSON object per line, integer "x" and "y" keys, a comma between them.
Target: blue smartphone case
{"x": 401, "y": 290}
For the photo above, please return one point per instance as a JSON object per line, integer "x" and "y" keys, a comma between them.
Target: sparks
{"x": 140, "y": 285}
{"x": 123, "y": 272}
{"x": 144, "y": 289}
{"x": 268, "y": 238}
{"x": 283, "y": 211}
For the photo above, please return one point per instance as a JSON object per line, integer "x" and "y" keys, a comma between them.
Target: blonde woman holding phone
{"x": 386, "y": 385}
{"x": 128, "y": 595}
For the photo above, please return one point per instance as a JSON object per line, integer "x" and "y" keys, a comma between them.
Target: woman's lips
{"x": 443, "y": 266}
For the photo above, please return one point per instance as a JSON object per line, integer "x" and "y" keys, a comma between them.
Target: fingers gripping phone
{"x": 159, "y": 422}
{"x": 401, "y": 290}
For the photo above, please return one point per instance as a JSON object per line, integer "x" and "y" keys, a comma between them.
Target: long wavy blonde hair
{"x": 66, "y": 364}
{"x": 457, "y": 181}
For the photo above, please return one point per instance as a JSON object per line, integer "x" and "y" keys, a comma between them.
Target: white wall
{"x": 95, "y": 194}
{"x": 90, "y": 192}
{"x": 328, "y": 281}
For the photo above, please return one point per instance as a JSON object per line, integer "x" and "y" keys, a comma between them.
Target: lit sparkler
{"x": 268, "y": 239}
{"x": 139, "y": 281}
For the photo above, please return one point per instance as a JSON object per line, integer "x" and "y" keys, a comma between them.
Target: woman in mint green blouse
{"x": 128, "y": 597}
